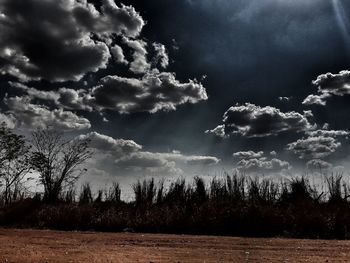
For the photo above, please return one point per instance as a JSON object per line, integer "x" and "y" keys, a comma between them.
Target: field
{"x": 55, "y": 246}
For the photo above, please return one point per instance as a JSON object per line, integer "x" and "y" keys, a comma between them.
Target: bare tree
{"x": 58, "y": 161}
{"x": 14, "y": 163}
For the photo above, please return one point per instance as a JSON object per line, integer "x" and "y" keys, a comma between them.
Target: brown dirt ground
{"x": 54, "y": 246}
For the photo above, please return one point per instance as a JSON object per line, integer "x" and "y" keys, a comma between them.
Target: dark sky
{"x": 169, "y": 88}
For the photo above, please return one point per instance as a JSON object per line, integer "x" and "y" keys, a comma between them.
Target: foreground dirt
{"x": 54, "y": 246}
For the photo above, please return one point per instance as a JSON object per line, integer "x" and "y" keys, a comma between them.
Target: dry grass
{"x": 54, "y": 246}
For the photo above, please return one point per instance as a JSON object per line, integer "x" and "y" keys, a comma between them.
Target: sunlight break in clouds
{"x": 343, "y": 21}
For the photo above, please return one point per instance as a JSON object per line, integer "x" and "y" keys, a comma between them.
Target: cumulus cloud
{"x": 156, "y": 91}
{"x": 63, "y": 97}
{"x": 317, "y": 164}
{"x": 37, "y": 116}
{"x": 118, "y": 54}
{"x": 263, "y": 165}
{"x": 318, "y": 143}
{"x": 248, "y": 155}
{"x": 250, "y": 120}
{"x": 337, "y": 84}
{"x": 60, "y": 40}
{"x": 329, "y": 84}
{"x": 316, "y": 99}
{"x": 314, "y": 147}
{"x": 161, "y": 56}
{"x": 139, "y": 64}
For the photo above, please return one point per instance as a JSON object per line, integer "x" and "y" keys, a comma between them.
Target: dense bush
{"x": 232, "y": 206}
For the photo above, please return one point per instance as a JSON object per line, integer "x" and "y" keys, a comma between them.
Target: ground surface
{"x": 54, "y": 246}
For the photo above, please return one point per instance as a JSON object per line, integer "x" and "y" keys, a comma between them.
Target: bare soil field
{"x": 55, "y": 246}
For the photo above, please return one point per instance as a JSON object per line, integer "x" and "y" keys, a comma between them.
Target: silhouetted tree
{"x": 14, "y": 162}
{"x": 58, "y": 160}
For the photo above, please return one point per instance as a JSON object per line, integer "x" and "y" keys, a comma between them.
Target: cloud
{"x": 336, "y": 84}
{"x": 63, "y": 97}
{"x": 263, "y": 165}
{"x": 65, "y": 39}
{"x": 34, "y": 116}
{"x": 284, "y": 99}
{"x": 318, "y": 143}
{"x": 161, "y": 162}
{"x": 250, "y": 120}
{"x": 148, "y": 162}
{"x": 154, "y": 92}
{"x": 106, "y": 144}
{"x": 250, "y": 161}
{"x": 128, "y": 155}
{"x": 161, "y": 56}
{"x": 329, "y": 85}
{"x": 314, "y": 147}
{"x": 118, "y": 54}
{"x": 188, "y": 159}
{"x": 60, "y": 40}
{"x": 328, "y": 133}
{"x": 248, "y": 155}
{"x": 139, "y": 64}
{"x": 8, "y": 119}
{"x": 316, "y": 99}
{"x": 317, "y": 164}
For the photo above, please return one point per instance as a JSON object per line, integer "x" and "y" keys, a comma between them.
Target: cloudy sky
{"x": 178, "y": 88}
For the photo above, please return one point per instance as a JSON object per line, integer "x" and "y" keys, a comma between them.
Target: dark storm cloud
{"x": 329, "y": 84}
{"x": 54, "y": 39}
{"x": 32, "y": 116}
{"x": 250, "y": 120}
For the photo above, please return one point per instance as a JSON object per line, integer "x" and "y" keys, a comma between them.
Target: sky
{"x": 170, "y": 89}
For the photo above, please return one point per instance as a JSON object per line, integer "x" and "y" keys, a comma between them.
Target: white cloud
{"x": 34, "y": 116}
{"x": 250, "y": 120}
